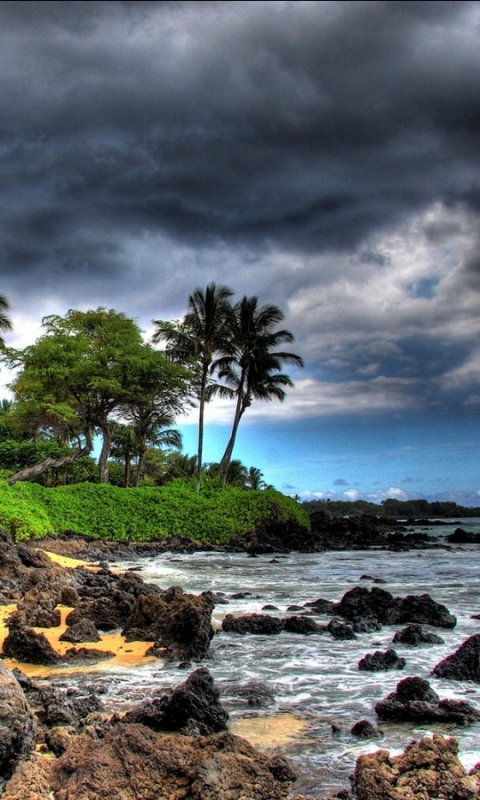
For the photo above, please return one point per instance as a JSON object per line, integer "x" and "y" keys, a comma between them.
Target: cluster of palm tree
{"x": 234, "y": 347}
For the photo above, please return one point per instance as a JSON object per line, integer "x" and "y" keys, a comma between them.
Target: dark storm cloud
{"x": 306, "y": 124}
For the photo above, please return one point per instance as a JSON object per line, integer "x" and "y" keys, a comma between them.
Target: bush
{"x": 148, "y": 513}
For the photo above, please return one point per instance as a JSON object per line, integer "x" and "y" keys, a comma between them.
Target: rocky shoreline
{"x": 93, "y": 753}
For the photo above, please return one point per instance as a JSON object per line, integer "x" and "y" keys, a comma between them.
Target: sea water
{"x": 315, "y": 679}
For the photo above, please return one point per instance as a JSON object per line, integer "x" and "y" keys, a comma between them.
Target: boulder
{"x": 193, "y": 708}
{"x": 107, "y": 613}
{"x": 30, "y": 781}
{"x": 339, "y": 630}
{"x": 321, "y": 606}
{"x": 415, "y": 701}
{"x": 253, "y": 623}
{"x": 363, "y": 729}
{"x": 424, "y": 610}
{"x": 415, "y": 635}
{"x": 463, "y": 664}
{"x": 361, "y": 602}
{"x": 23, "y": 644}
{"x": 174, "y": 620}
{"x": 427, "y": 769}
{"x": 378, "y": 661}
{"x": 39, "y": 607}
{"x": 133, "y": 761}
{"x": 303, "y": 624}
{"x": 17, "y": 724}
{"x": 83, "y": 631}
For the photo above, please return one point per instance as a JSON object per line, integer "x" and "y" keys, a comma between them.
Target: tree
{"x": 87, "y": 367}
{"x": 5, "y": 323}
{"x": 255, "y": 480}
{"x": 250, "y": 369}
{"x": 199, "y": 338}
{"x": 152, "y": 426}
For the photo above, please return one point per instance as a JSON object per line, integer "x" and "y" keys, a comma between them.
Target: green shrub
{"x": 110, "y": 512}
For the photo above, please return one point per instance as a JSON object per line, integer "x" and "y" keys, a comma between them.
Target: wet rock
{"x": 366, "y": 625}
{"x": 253, "y": 623}
{"x": 378, "y": 661}
{"x": 193, "y": 708}
{"x": 415, "y": 635}
{"x": 86, "y": 655}
{"x": 460, "y": 536}
{"x": 365, "y": 730}
{"x": 133, "y": 761}
{"x": 463, "y": 664}
{"x": 339, "y": 630}
{"x": 427, "y": 769}
{"x": 23, "y": 644}
{"x": 255, "y": 693}
{"x": 321, "y": 606}
{"x": 17, "y": 724}
{"x": 415, "y": 701}
{"x": 424, "y": 610}
{"x": 83, "y": 631}
{"x": 361, "y": 602}
{"x": 305, "y": 625}
{"x": 177, "y": 621}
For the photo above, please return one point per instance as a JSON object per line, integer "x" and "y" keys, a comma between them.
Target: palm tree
{"x": 255, "y": 479}
{"x": 251, "y": 367}
{"x": 201, "y": 337}
{"x": 5, "y": 322}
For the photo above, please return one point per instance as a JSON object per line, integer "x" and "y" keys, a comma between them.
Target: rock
{"x": 361, "y": 602}
{"x": 305, "y": 625}
{"x": 256, "y": 693}
{"x": 415, "y": 635}
{"x": 40, "y": 609}
{"x": 378, "y": 661}
{"x": 107, "y": 613}
{"x": 193, "y": 708}
{"x": 459, "y": 536}
{"x": 17, "y": 724}
{"x": 175, "y": 620}
{"x": 86, "y": 655}
{"x": 339, "y": 630}
{"x": 321, "y": 606}
{"x": 424, "y": 610}
{"x": 57, "y": 708}
{"x": 133, "y": 761}
{"x": 415, "y": 701}
{"x": 252, "y": 623}
{"x": 24, "y": 644}
{"x": 427, "y": 769}
{"x": 365, "y": 730}
{"x": 30, "y": 781}
{"x": 58, "y": 739}
{"x": 366, "y": 625}
{"x": 463, "y": 664}
{"x": 83, "y": 631}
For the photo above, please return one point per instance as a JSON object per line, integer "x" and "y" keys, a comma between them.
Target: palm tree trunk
{"x": 227, "y": 456}
{"x": 126, "y": 471}
{"x": 201, "y": 414}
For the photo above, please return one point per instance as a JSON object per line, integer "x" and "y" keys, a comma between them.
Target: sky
{"x": 324, "y": 156}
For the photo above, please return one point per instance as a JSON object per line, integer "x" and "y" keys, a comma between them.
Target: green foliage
{"x": 148, "y": 513}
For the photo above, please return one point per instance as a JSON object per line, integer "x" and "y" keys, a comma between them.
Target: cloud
{"x": 323, "y": 155}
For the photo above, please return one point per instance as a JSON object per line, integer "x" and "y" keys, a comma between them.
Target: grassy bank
{"x": 30, "y": 511}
